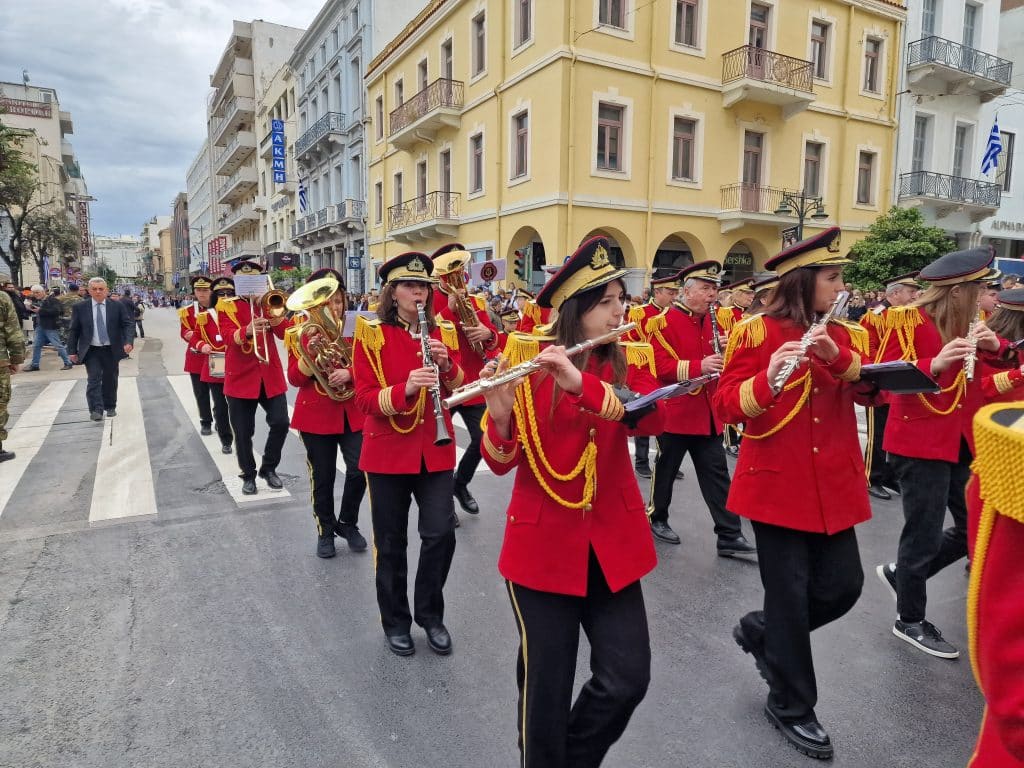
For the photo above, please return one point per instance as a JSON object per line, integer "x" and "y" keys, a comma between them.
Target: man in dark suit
{"x": 101, "y": 334}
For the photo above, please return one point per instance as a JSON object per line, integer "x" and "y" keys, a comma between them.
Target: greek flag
{"x": 303, "y": 201}
{"x": 992, "y": 150}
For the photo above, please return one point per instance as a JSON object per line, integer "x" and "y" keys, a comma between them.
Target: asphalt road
{"x": 205, "y": 632}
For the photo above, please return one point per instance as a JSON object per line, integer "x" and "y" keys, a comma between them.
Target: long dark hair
{"x": 568, "y": 331}
{"x": 794, "y": 297}
{"x": 1007, "y": 323}
{"x": 387, "y": 307}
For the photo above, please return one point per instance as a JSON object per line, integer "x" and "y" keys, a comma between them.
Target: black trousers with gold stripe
{"x": 321, "y": 459}
{"x": 551, "y": 735}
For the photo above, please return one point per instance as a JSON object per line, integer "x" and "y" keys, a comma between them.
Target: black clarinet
{"x": 716, "y": 341}
{"x": 441, "y": 436}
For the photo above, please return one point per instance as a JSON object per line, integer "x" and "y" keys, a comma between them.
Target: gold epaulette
{"x": 858, "y": 335}
{"x": 904, "y": 318}
{"x": 750, "y": 332}
{"x": 637, "y": 315}
{"x": 226, "y": 304}
{"x": 726, "y": 318}
{"x": 532, "y": 311}
{"x": 639, "y": 354}
{"x": 521, "y": 347}
{"x": 876, "y": 320}
{"x": 201, "y": 318}
{"x": 656, "y": 322}
{"x": 479, "y": 303}
{"x": 291, "y": 340}
{"x": 183, "y": 314}
{"x": 370, "y": 333}
{"x": 449, "y": 334}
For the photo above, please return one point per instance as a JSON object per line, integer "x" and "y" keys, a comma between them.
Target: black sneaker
{"x": 643, "y": 470}
{"x": 887, "y": 575}
{"x": 924, "y": 636}
{"x": 351, "y": 534}
{"x": 325, "y": 546}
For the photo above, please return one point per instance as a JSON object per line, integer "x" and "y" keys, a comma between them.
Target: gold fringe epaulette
{"x": 903, "y": 318}
{"x": 521, "y": 347}
{"x": 656, "y": 322}
{"x": 479, "y": 303}
{"x": 637, "y": 315}
{"x": 639, "y": 354}
{"x": 532, "y": 311}
{"x": 370, "y": 334}
{"x": 726, "y": 318}
{"x": 859, "y": 337}
{"x": 750, "y": 332}
{"x": 183, "y": 315}
{"x": 876, "y": 320}
{"x": 226, "y": 305}
{"x": 291, "y": 340}
{"x": 449, "y": 334}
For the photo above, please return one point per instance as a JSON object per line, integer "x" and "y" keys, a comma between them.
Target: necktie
{"x": 101, "y": 325}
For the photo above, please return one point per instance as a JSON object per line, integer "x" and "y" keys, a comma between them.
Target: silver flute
{"x": 789, "y": 367}
{"x": 441, "y": 434}
{"x": 971, "y": 359}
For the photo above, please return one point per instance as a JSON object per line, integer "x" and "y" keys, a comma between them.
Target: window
{"x": 355, "y": 19}
{"x": 421, "y": 184}
{"x": 970, "y": 24}
{"x": 479, "y": 43}
{"x": 446, "y": 60}
{"x": 928, "y": 18}
{"x": 399, "y": 191}
{"x": 378, "y": 116}
{"x": 422, "y": 73}
{"x": 476, "y": 163}
{"x": 609, "y": 136}
{"x": 872, "y": 62}
{"x": 961, "y": 140}
{"x": 356, "y": 179}
{"x": 686, "y": 23}
{"x": 819, "y": 49}
{"x": 814, "y": 153}
{"x": 323, "y": 55}
{"x": 521, "y": 144}
{"x": 399, "y": 93}
{"x": 1004, "y": 164}
{"x": 334, "y": 39}
{"x": 523, "y": 21}
{"x": 378, "y": 202}
{"x": 612, "y": 13}
{"x": 865, "y": 178}
{"x": 684, "y": 134}
{"x": 919, "y": 150}
{"x": 356, "y": 87}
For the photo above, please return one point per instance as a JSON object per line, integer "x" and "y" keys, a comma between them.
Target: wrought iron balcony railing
{"x": 938, "y": 50}
{"x": 956, "y": 189}
{"x": 332, "y": 122}
{"x": 751, "y": 198}
{"x": 768, "y": 67}
{"x": 430, "y": 207}
{"x": 440, "y": 93}
{"x": 348, "y": 209}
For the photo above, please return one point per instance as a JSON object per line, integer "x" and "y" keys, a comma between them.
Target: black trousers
{"x": 142, "y": 331}
{"x": 101, "y": 387}
{"x": 708, "y": 455}
{"x": 321, "y": 458}
{"x": 810, "y": 580}
{"x": 242, "y": 412}
{"x": 881, "y": 472}
{"x": 642, "y": 444}
{"x": 390, "y": 499}
{"x": 927, "y": 487}
{"x": 204, "y": 391}
{"x": 553, "y": 731}
{"x": 471, "y": 414}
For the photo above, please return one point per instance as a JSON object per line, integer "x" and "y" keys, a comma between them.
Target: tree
{"x": 289, "y": 279}
{"x": 105, "y": 271}
{"x": 898, "y": 242}
{"x": 47, "y": 232}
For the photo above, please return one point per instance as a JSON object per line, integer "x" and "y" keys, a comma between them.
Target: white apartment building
{"x": 329, "y": 64}
{"x": 122, "y": 253}
{"x": 150, "y": 248}
{"x": 951, "y": 76}
{"x": 199, "y": 191}
{"x": 255, "y": 51}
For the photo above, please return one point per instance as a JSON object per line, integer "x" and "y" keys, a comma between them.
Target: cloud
{"x": 135, "y": 76}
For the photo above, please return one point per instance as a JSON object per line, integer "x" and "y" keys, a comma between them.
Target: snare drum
{"x": 215, "y": 363}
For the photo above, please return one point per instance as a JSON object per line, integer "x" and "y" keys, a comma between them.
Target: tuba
{"x": 452, "y": 277}
{"x": 324, "y": 349}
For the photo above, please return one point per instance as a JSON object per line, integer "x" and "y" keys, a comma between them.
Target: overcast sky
{"x": 135, "y": 75}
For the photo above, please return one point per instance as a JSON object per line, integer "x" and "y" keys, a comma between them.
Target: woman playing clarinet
{"x": 573, "y": 558}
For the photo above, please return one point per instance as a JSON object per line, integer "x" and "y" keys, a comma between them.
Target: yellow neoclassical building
{"x": 680, "y": 129}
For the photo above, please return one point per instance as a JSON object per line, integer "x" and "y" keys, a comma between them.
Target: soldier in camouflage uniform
{"x": 12, "y": 354}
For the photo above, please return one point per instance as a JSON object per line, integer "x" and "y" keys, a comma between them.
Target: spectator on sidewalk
{"x": 135, "y": 311}
{"x": 19, "y": 306}
{"x": 48, "y": 314}
{"x": 12, "y": 354}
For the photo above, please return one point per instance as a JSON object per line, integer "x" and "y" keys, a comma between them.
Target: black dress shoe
{"x": 466, "y": 500}
{"x": 6, "y": 455}
{"x": 249, "y": 486}
{"x": 225, "y": 449}
{"x": 643, "y": 470}
{"x": 96, "y": 415}
{"x": 439, "y": 640}
{"x": 205, "y": 430}
{"x": 351, "y": 534}
{"x": 807, "y": 737}
{"x": 271, "y": 478}
{"x": 111, "y": 412}
{"x": 892, "y": 487}
{"x": 879, "y": 492}
{"x": 736, "y": 546}
{"x": 662, "y": 532}
{"x": 744, "y": 641}
{"x": 401, "y": 645}
{"x": 680, "y": 475}
{"x": 325, "y": 546}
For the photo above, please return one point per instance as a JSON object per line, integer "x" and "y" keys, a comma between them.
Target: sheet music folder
{"x": 899, "y": 377}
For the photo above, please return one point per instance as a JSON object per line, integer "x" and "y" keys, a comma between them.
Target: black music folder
{"x": 899, "y": 377}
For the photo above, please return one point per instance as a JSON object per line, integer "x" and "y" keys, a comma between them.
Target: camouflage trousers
{"x": 5, "y": 398}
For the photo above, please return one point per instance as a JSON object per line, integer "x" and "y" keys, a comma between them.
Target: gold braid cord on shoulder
{"x": 371, "y": 336}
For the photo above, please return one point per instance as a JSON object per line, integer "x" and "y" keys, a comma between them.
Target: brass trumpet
{"x": 452, "y": 277}
{"x": 325, "y": 350}
{"x": 272, "y": 306}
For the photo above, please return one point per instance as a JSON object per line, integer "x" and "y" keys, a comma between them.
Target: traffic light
{"x": 518, "y": 266}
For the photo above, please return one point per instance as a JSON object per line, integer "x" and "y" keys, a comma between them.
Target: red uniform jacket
{"x": 547, "y": 541}
{"x": 995, "y": 599}
{"x": 208, "y": 332}
{"x": 926, "y": 426}
{"x": 315, "y": 411}
{"x": 800, "y": 464}
{"x": 1001, "y": 379}
{"x": 681, "y": 340}
{"x": 728, "y": 317}
{"x": 471, "y": 362}
{"x": 244, "y": 374}
{"x": 532, "y": 317}
{"x": 641, "y": 315}
{"x": 194, "y": 362}
{"x": 399, "y": 432}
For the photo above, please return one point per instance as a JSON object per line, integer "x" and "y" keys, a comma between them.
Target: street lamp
{"x": 801, "y": 205}
{"x": 202, "y": 242}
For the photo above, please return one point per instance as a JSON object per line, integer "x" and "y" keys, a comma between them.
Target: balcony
{"x": 66, "y": 126}
{"x": 939, "y": 66}
{"x": 436, "y": 214}
{"x": 945, "y": 195}
{"x": 238, "y": 218}
{"x": 67, "y": 152}
{"x": 751, "y": 74}
{"x": 244, "y": 248}
{"x": 235, "y": 154}
{"x": 330, "y": 222}
{"x": 437, "y": 106}
{"x": 238, "y": 184}
{"x": 237, "y": 82}
{"x": 745, "y": 203}
{"x": 239, "y": 114}
{"x": 239, "y": 46}
{"x": 319, "y": 137}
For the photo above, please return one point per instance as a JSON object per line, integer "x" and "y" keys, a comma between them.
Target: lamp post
{"x": 801, "y": 205}
{"x": 202, "y": 243}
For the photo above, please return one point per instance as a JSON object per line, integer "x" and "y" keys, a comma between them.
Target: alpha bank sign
{"x": 1000, "y": 225}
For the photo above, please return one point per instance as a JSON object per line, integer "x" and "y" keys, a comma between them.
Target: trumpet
{"x": 483, "y": 386}
{"x": 325, "y": 350}
{"x": 792, "y": 363}
{"x": 272, "y": 306}
{"x": 441, "y": 435}
{"x": 454, "y": 282}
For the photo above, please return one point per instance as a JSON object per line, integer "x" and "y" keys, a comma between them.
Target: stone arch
{"x": 678, "y": 250}
{"x": 743, "y": 259}
{"x": 527, "y": 243}
{"x": 623, "y": 254}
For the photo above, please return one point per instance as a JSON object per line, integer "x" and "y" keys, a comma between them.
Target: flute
{"x": 483, "y": 386}
{"x": 972, "y": 357}
{"x": 792, "y": 363}
{"x": 441, "y": 435}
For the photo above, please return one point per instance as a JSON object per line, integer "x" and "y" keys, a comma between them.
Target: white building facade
{"x": 951, "y": 77}
{"x": 122, "y": 253}
{"x": 199, "y": 192}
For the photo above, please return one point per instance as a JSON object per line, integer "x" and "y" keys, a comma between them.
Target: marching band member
{"x": 899, "y": 291}
{"x": 509, "y": 323}
{"x": 475, "y": 344}
{"x": 683, "y": 349}
{"x": 741, "y": 295}
{"x": 206, "y": 341}
{"x": 194, "y": 362}
{"x": 799, "y": 477}
{"x": 400, "y": 456}
{"x": 572, "y": 557}
{"x": 764, "y": 290}
{"x": 1002, "y": 378}
{"x": 249, "y": 382}
{"x": 928, "y": 436}
{"x": 532, "y": 315}
{"x": 327, "y": 424}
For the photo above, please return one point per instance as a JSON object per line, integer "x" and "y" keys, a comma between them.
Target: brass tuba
{"x": 449, "y": 269}
{"x": 325, "y": 350}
